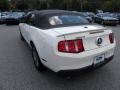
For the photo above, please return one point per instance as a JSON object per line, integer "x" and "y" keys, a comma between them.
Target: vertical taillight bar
{"x": 71, "y": 46}
{"x": 111, "y": 37}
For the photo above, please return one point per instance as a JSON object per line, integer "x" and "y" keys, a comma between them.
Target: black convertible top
{"x": 53, "y": 12}
{"x": 42, "y": 18}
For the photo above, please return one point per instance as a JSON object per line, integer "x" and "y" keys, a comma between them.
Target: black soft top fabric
{"x": 54, "y": 12}
{"x": 43, "y": 18}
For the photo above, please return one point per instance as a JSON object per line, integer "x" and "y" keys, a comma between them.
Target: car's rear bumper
{"x": 90, "y": 67}
{"x": 62, "y": 62}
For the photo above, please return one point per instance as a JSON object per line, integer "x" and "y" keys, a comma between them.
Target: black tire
{"x": 21, "y": 37}
{"x": 37, "y": 62}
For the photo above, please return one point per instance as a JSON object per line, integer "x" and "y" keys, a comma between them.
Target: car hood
{"x": 13, "y": 17}
{"x": 75, "y": 29}
{"x": 109, "y": 18}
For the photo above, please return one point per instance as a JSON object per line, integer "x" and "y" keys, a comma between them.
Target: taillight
{"x": 111, "y": 37}
{"x": 80, "y": 45}
{"x": 71, "y": 46}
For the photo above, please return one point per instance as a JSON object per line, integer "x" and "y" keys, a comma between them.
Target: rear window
{"x": 67, "y": 20}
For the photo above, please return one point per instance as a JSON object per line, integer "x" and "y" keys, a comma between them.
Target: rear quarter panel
{"x": 45, "y": 42}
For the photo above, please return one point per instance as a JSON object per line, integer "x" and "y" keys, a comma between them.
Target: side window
{"x": 30, "y": 19}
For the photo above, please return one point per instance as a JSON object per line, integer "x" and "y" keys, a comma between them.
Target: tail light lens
{"x": 61, "y": 46}
{"x": 71, "y": 46}
{"x": 111, "y": 37}
{"x": 80, "y": 45}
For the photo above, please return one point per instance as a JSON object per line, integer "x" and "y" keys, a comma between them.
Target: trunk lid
{"x": 88, "y": 33}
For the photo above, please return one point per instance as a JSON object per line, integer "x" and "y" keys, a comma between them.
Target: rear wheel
{"x": 37, "y": 62}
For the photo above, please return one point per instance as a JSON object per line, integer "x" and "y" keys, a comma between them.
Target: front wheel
{"x": 37, "y": 62}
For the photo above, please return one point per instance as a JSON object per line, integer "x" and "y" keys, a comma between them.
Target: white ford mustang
{"x": 63, "y": 40}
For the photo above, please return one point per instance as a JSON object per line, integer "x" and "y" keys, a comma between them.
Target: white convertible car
{"x": 63, "y": 40}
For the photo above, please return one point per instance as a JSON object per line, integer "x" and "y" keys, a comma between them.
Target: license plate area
{"x": 98, "y": 59}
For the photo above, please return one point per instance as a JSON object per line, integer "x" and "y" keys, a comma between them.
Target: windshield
{"x": 67, "y": 20}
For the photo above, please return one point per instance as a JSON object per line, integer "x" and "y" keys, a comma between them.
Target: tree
{"x": 22, "y": 5}
{"x": 116, "y": 5}
{"x": 75, "y": 5}
{"x": 107, "y": 6}
{"x": 68, "y": 4}
{"x": 4, "y": 5}
{"x": 90, "y": 6}
{"x": 113, "y": 5}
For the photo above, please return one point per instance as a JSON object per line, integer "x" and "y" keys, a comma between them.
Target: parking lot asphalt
{"x": 17, "y": 71}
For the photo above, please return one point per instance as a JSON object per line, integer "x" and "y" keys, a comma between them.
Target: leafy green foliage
{"x": 4, "y": 5}
{"x": 75, "y": 5}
